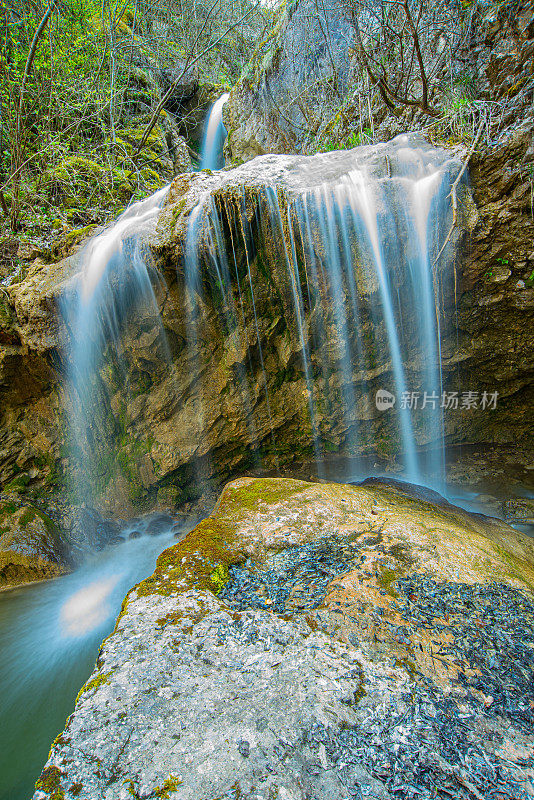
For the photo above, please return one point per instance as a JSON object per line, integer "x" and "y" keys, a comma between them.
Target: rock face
{"x": 496, "y": 283}
{"x": 315, "y": 640}
{"x": 496, "y": 304}
{"x": 169, "y": 423}
{"x": 235, "y": 392}
{"x": 173, "y": 416}
{"x": 31, "y": 546}
{"x": 297, "y": 76}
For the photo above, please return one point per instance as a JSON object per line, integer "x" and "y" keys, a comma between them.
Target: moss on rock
{"x": 31, "y": 545}
{"x": 255, "y": 516}
{"x": 50, "y": 782}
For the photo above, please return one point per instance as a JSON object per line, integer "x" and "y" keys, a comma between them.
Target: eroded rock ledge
{"x": 315, "y": 640}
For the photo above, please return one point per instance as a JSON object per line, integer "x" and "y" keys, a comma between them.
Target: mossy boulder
{"x": 301, "y": 613}
{"x": 255, "y": 517}
{"x": 31, "y": 545}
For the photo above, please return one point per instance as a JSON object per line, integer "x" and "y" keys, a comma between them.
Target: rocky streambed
{"x": 312, "y": 640}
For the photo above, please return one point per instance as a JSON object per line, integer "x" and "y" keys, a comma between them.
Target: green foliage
{"x": 353, "y": 140}
{"x": 27, "y": 516}
{"x": 8, "y": 508}
{"x": 73, "y": 115}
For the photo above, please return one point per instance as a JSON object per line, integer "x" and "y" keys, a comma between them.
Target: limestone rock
{"x": 159, "y": 440}
{"x": 154, "y": 425}
{"x": 181, "y": 81}
{"x": 181, "y": 157}
{"x": 494, "y": 303}
{"x": 357, "y": 645}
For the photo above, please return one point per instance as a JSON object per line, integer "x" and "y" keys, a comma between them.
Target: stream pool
{"x": 50, "y": 634}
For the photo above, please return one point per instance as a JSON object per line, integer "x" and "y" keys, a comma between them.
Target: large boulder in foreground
{"x": 315, "y": 641}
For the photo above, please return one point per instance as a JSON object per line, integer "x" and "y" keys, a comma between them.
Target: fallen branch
{"x": 452, "y": 193}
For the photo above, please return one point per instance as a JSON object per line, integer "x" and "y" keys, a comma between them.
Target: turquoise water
{"x": 50, "y": 635}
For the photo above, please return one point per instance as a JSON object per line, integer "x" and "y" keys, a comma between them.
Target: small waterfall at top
{"x": 214, "y": 136}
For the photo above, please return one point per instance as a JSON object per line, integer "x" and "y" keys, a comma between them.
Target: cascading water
{"x": 358, "y": 251}
{"x": 351, "y": 260}
{"x": 49, "y": 638}
{"x": 116, "y": 281}
{"x": 357, "y": 245}
{"x": 214, "y": 136}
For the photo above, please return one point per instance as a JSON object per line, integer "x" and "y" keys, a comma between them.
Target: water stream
{"x": 116, "y": 281}
{"x": 214, "y": 136}
{"x": 50, "y": 634}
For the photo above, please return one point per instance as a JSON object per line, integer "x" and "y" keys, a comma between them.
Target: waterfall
{"x": 116, "y": 280}
{"x": 214, "y": 136}
{"x": 359, "y": 254}
{"x": 345, "y": 245}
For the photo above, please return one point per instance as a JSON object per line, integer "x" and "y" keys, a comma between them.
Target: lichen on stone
{"x": 50, "y": 782}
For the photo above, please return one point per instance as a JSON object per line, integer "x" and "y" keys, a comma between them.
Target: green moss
{"x": 386, "y": 578}
{"x": 18, "y": 484}
{"x": 170, "y": 785}
{"x": 191, "y": 562}
{"x": 219, "y": 578}
{"x": 518, "y": 568}
{"x": 50, "y": 782}
{"x": 76, "y": 235}
{"x": 94, "y": 683}
{"x": 79, "y": 166}
{"x": 330, "y": 447}
{"x": 142, "y": 385}
{"x": 27, "y": 516}
{"x": 49, "y": 524}
{"x": 266, "y": 490}
{"x": 178, "y": 210}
